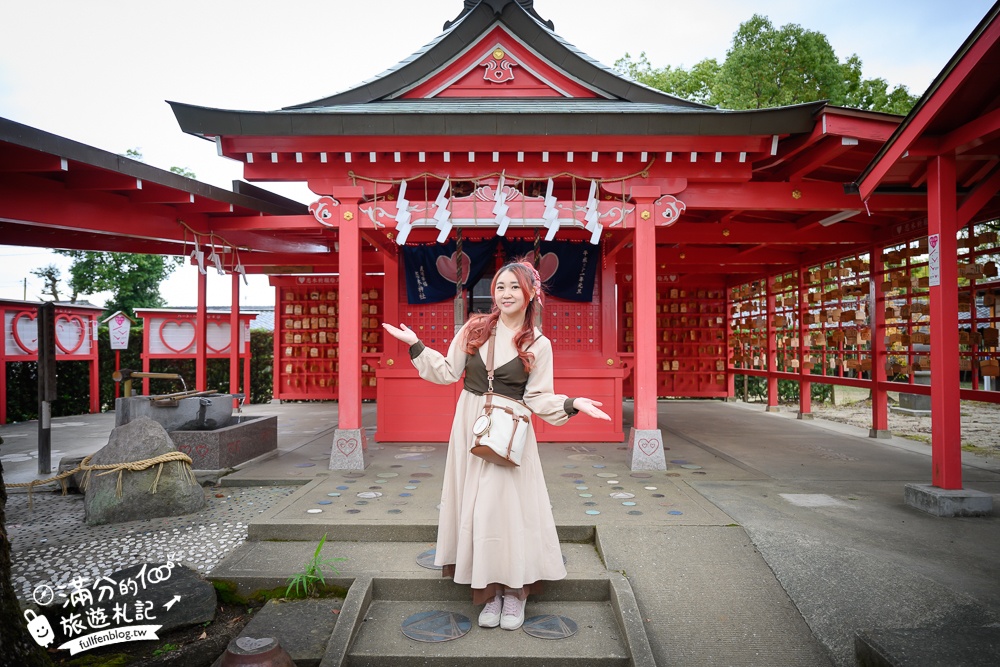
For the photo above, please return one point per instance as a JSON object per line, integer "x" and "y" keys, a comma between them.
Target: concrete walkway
{"x": 767, "y": 541}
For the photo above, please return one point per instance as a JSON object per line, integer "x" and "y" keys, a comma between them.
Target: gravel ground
{"x": 52, "y": 545}
{"x": 980, "y": 423}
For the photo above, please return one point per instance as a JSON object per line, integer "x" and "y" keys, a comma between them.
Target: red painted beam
{"x": 680, "y": 257}
{"x": 978, "y": 198}
{"x": 238, "y": 146}
{"x": 805, "y": 196}
{"x": 14, "y": 159}
{"x": 40, "y": 200}
{"x": 340, "y": 173}
{"x": 739, "y": 233}
{"x": 809, "y": 161}
{"x": 36, "y": 236}
{"x": 101, "y": 180}
{"x": 270, "y": 223}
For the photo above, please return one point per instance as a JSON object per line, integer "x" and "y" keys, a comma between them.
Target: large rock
{"x": 139, "y": 440}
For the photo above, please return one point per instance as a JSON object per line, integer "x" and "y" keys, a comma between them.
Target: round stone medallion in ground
{"x": 550, "y": 627}
{"x": 426, "y": 559}
{"x": 585, "y": 457}
{"x": 417, "y": 448}
{"x": 436, "y": 626}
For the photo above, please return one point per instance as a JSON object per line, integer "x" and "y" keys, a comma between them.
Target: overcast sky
{"x": 99, "y": 71}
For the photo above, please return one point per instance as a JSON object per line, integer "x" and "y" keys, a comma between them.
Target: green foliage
{"x": 768, "y": 67}
{"x": 307, "y": 582}
{"x": 183, "y": 171}
{"x": 133, "y": 279}
{"x": 694, "y": 84}
{"x": 788, "y": 390}
{"x": 261, "y": 366}
{"x": 166, "y": 648}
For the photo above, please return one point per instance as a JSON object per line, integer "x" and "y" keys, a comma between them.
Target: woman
{"x": 496, "y": 531}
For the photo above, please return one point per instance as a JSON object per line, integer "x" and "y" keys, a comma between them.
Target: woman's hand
{"x": 405, "y": 334}
{"x": 590, "y": 408}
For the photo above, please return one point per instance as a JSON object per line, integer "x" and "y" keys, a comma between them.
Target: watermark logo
{"x": 103, "y": 613}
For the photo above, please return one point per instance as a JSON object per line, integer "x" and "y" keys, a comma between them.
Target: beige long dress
{"x": 496, "y": 525}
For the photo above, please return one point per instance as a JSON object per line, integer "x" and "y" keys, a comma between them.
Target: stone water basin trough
{"x": 202, "y": 425}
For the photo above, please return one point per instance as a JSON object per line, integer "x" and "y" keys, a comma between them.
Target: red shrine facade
{"x": 712, "y": 231}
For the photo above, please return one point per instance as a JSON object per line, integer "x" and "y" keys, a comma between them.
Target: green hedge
{"x": 788, "y": 390}
{"x": 73, "y": 382}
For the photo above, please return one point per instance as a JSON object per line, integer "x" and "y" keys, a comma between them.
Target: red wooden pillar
{"x": 880, "y": 405}
{"x": 246, "y": 368}
{"x": 805, "y": 385}
{"x": 609, "y": 308}
{"x": 391, "y": 347}
{"x": 95, "y": 367}
{"x": 3, "y": 369}
{"x": 276, "y": 347}
{"x": 234, "y": 337}
{"x": 200, "y": 329}
{"x": 730, "y": 375}
{"x": 771, "y": 349}
{"x": 946, "y": 429}
{"x": 147, "y": 327}
{"x": 644, "y": 310}
{"x": 349, "y": 300}
{"x": 645, "y": 443}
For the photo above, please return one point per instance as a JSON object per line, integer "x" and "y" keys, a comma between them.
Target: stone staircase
{"x": 385, "y": 585}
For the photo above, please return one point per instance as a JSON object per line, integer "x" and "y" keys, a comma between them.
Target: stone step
{"x": 255, "y": 566}
{"x": 599, "y": 640}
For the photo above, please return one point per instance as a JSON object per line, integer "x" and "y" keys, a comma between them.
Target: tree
{"x": 768, "y": 67}
{"x": 16, "y": 645}
{"x": 51, "y": 274}
{"x": 133, "y": 279}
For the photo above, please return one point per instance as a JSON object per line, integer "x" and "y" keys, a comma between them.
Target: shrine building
{"x": 682, "y": 245}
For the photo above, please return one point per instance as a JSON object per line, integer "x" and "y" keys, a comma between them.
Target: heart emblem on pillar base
{"x": 648, "y": 446}
{"x": 347, "y": 446}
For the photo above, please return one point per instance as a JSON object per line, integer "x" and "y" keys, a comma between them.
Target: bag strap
{"x": 489, "y": 359}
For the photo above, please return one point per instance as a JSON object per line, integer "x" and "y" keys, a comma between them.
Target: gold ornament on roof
{"x": 498, "y": 54}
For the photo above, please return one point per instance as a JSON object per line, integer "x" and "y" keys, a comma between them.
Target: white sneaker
{"x": 489, "y": 617}
{"x": 513, "y": 613}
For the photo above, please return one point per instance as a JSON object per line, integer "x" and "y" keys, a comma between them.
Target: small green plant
{"x": 166, "y": 648}
{"x": 311, "y": 576}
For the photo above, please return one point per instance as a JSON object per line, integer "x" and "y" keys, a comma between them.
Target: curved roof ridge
{"x": 520, "y": 18}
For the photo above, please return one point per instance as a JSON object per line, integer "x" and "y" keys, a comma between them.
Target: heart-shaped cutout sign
{"x": 648, "y": 446}
{"x": 71, "y": 333}
{"x": 174, "y": 332}
{"x": 217, "y": 337}
{"x": 253, "y": 644}
{"x": 548, "y": 264}
{"x": 24, "y": 328}
{"x": 347, "y": 446}
{"x": 448, "y": 267}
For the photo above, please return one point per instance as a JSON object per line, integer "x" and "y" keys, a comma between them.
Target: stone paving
{"x": 52, "y": 545}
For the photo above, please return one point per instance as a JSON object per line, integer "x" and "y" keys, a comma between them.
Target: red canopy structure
{"x": 947, "y": 153}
